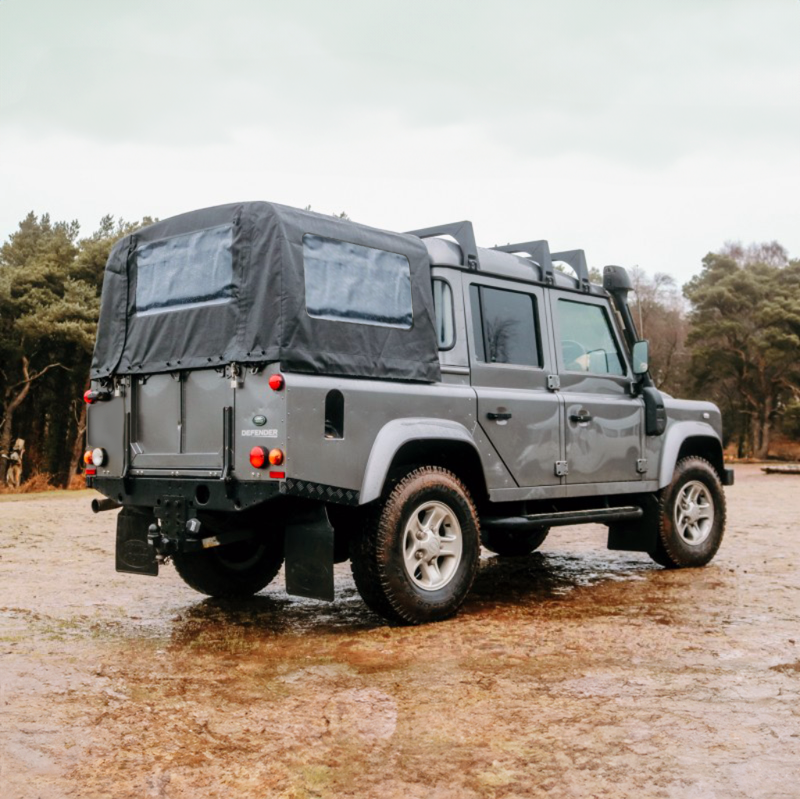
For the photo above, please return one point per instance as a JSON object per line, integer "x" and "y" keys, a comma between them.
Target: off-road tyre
{"x": 234, "y": 571}
{"x": 513, "y": 545}
{"x": 377, "y": 554}
{"x": 673, "y": 550}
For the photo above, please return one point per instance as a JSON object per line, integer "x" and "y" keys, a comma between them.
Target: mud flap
{"x": 639, "y": 535}
{"x": 309, "y": 553}
{"x": 134, "y": 553}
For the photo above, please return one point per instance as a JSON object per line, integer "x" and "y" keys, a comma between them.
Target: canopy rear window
{"x": 351, "y": 283}
{"x": 185, "y": 271}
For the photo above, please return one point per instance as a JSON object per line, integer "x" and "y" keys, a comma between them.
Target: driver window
{"x": 587, "y": 342}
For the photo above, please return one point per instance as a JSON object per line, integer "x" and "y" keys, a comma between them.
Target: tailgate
{"x": 177, "y": 420}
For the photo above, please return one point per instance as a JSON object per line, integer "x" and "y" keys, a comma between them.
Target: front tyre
{"x": 416, "y": 560}
{"x": 234, "y": 571}
{"x": 691, "y": 516}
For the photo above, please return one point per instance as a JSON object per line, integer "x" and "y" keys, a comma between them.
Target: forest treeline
{"x": 730, "y": 335}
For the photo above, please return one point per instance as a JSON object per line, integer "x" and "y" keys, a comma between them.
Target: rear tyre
{"x": 690, "y": 517}
{"x": 415, "y": 561}
{"x": 234, "y": 571}
{"x": 513, "y": 545}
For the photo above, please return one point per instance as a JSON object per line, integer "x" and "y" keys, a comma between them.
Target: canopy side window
{"x": 505, "y": 326}
{"x": 587, "y": 340}
{"x": 351, "y": 283}
{"x": 186, "y": 271}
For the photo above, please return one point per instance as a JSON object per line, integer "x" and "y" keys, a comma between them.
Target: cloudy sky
{"x": 644, "y": 131}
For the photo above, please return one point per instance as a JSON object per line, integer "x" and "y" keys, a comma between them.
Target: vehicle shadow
{"x": 550, "y": 575}
{"x": 507, "y": 582}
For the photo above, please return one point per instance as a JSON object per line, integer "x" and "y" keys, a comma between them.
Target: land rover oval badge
{"x": 259, "y": 421}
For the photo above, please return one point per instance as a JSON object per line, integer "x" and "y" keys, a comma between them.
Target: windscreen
{"x": 185, "y": 271}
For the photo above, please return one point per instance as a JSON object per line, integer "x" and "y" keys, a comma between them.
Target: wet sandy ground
{"x": 575, "y": 672}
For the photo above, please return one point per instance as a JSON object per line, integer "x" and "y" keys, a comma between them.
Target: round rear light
{"x": 258, "y": 457}
{"x": 276, "y": 457}
{"x": 276, "y": 382}
{"x": 98, "y": 456}
{"x": 87, "y": 397}
{"x": 87, "y": 456}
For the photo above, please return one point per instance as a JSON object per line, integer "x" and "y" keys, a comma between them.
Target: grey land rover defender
{"x": 273, "y": 385}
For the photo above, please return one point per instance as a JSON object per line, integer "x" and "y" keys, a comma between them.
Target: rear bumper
{"x": 727, "y": 477}
{"x": 202, "y": 494}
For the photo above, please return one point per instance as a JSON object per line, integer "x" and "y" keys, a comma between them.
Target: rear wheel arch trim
{"x": 394, "y": 435}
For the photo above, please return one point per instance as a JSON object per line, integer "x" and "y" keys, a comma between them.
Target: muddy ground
{"x": 575, "y": 672}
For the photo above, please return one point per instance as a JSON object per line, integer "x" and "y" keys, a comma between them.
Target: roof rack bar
{"x": 577, "y": 260}
{"x": 539, "y": 251}
{"x": 462, "y": 232}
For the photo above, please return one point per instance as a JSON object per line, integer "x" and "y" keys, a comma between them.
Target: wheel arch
{"x": 416, "y": 442}
{"x": 690, "y": 438}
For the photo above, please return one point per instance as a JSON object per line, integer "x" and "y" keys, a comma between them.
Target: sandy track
{"x": 576, "y": 672}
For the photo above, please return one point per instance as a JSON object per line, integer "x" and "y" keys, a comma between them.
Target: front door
{"x": 509, "y": 366}
{"x": 604, "y": 423}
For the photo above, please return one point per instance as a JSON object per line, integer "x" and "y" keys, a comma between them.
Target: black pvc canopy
{"x": 258, "y": 282}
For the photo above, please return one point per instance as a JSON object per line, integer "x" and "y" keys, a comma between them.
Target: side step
{"x": 522, "y": 524}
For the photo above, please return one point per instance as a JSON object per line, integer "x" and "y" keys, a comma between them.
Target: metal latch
{"x": 553, "y": 382}
{"x": 641, "y": 465}
{"x": 562, "y": 468}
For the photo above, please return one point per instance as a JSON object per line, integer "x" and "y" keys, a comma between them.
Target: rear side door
{"x": 510, "y": 361}
{"x": 604, "y": 423}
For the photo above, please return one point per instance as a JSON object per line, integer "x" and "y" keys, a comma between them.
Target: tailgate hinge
{"x": 562, "y": 468}
{"x": 553, "y": 382}
{"x": 641, "y": 465}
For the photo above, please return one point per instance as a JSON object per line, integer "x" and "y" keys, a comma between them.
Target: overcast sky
{"x": 644, "y": 131}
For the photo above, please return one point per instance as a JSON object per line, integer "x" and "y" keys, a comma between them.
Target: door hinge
{"x": 562, "y": 468}
{"x": 553, "y": 382}
{"x": 641, "y": 465}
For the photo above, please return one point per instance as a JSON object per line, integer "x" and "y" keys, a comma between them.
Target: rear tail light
{"x": 98, "y": 456}
{"x": 276, "y": 382}
{"x": 258, "y": 457}
{"x": 278, "y": 475}
{"x": 87, "y": 457}
{"x": 276, "y": 457}
{"x": 96, "y": 395}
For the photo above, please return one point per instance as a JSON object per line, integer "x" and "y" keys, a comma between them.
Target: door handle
{"x": 580, "y": 417}
{"x": 496, "y": 416}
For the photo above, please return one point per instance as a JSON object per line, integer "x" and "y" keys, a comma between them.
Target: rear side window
{"x": 587, "y": 342}
{"x": 443, "y": 311}
{"x": 185, "y": 271}
{"x": 351, "y": 283}
{"x": 505, "y": 326}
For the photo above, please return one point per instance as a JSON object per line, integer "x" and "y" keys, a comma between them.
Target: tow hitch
{"x": 145, "y": 540}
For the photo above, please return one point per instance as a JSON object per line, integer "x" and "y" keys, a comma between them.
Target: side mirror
{"x": 640, "y": 357}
